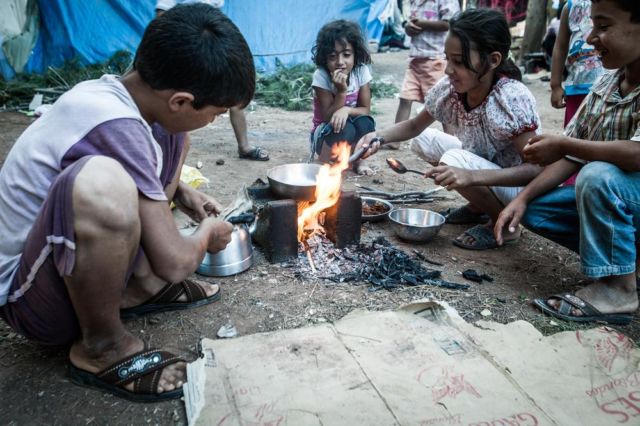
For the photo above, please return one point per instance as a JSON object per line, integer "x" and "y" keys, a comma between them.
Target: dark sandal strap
{"x": 149, "y": 362}
{"x": 172, "y": 291}
{"x": 482, "y": 236}
{"x": 571, "y": 301}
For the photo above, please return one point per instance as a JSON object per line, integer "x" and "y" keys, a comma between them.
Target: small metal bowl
{"x": 416, "y": 225}
{"x": 371, "y": 201}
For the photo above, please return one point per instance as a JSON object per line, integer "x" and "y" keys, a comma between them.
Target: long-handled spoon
{"x": 398, "y": 167}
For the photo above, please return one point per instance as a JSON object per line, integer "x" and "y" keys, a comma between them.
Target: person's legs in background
{"x": 245, "y": 150}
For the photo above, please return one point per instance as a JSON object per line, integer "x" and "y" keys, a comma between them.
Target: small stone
{"x": 321, "y": 319}
{"x": 553, "y": 323}
{"x": 270, "y": 316}
{"x": 227, "y": 331}
{"x": 199, "y": 165}
{"x": 378, "y": 181}
{"x": 219, "y": 162}
{"x": 40, "y": 394}
{"x": 312, "y": 311}
{"x": 485, "y": 313}
{"x": 273, "y": 281}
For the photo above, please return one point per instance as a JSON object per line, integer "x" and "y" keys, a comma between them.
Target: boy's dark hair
{"x": 631, "y": 6}
{"x": 340, "y": 31}
{"x": 486, "y": 31}
{"x": 195, "y": 48}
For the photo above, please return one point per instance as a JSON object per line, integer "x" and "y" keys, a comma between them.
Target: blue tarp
{"x": 276, "y": 30}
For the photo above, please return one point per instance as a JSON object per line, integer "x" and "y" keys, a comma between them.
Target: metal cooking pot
{"x": 295, "y": 181}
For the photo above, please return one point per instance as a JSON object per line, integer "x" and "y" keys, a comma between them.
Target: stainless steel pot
{"x": 295, "y": 181}
{"x": 235, "y": 258}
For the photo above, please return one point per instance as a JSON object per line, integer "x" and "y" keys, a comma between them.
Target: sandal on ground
{"x": 166, "y": 299}
{"x": 483, "y": 239}
{"x": 464, "y": 216}
{"x": 568, "y": 302}
{"x": 257, "y": 154}
{"x": 143, "y": 369}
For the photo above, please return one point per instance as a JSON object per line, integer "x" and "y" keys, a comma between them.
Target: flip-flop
{"x": 166, "y": 299}
{"x": 257, "y": 154}
{"x": 464, "y": 216}
{"x": 142, "y": 368}
{"x": 483, "y": 239}
{"x": 590, "y": 313}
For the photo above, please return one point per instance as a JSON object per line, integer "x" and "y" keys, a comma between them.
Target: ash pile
{"x": 378, "y": 263}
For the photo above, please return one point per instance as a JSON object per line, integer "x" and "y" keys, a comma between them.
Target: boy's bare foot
{"x": 96, "y": 359}
{"x": 362, "y": 169}
{"x": 610, "y": 295}
{"x": 394, "y": 146}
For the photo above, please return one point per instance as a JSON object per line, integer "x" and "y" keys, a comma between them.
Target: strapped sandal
{"x": 257, "y": 154}
{"x": 143, "y": 369}
{"x": 568, "y": 302}
{"x": 166, "y": 299}
{"x": 483, "y": 239}
{"x": 464, "y": 216}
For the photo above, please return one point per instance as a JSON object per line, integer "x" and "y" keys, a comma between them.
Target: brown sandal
{"x": 166, "y": 299}
{"x": 143, "y": 369}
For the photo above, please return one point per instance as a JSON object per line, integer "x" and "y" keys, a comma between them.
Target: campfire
{"x": 323, "y": 237}
{"x": 328, "y": 184}
{"x": 327, "y": 194}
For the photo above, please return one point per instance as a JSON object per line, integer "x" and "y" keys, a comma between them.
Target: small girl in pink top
{"x": 342, "y": 96}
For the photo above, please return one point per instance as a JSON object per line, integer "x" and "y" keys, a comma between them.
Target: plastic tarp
{"x": 276, "y": 30}
{"x": 285, "y": 30}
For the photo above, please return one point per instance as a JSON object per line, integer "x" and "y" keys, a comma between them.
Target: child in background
{"x": 492, "y": 116}
{"x": 599, "y": 217}
{"x": 427, "y": 27}
{"x": 572, "y": 50}
{"x": 342, "y": 96}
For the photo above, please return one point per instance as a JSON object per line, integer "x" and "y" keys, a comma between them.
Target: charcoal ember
{"x": 473, "y": 275}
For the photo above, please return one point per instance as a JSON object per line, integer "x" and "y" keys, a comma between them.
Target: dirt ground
{"x": 267, "y": 297}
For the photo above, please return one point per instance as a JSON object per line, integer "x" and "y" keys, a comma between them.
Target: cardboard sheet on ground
{"x": 420, "y": 365}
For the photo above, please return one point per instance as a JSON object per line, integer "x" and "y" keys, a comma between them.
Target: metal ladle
{"x": 398, "y": 167}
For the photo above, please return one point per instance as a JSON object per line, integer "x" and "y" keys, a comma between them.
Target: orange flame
{"x": 328, "y": 183}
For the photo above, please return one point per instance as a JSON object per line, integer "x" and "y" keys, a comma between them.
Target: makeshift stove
{"x": 285, "y": 224}
{"x": 277, "y": 224}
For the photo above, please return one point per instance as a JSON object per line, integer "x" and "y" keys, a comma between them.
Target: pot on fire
{"x": 295, "y": 181}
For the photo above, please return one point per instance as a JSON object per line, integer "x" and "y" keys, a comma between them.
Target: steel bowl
{"x": 416, "y": 225}
{"x": 296, "y": 181}
{"x": 235, "y": 258}
{"x": 370, "y": 201}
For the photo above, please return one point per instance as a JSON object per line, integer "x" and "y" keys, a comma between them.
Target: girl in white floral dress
{"x": 492, "y": 116}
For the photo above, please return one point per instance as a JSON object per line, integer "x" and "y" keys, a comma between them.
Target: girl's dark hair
{"x": 631, "y": 6}
{"x": 485, "y": 31}
{"x": 340, "y": 31}
{"x": 196, "y": 49}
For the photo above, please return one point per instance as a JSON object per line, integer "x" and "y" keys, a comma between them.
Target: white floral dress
{"x": 487, "y": 130}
